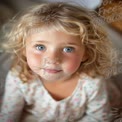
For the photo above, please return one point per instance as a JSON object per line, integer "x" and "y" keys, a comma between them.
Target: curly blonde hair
{"x": 70, "y": 19}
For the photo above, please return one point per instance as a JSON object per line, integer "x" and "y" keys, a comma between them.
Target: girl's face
{"x": 54, "y": 55}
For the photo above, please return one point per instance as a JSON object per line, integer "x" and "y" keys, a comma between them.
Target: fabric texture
{"x": 87, "y": 103}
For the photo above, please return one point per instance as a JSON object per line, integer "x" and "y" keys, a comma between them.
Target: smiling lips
{"x": 52, "y": 70}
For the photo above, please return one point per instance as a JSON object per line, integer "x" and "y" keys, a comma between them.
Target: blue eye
{"x": 40, "y": 47}
{"x": 68, "y": 49}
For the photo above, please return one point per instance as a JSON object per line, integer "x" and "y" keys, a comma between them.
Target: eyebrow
{"x": 65, "y": 43}
{"x": 42, "y": 41}
{"x": 72, "y": 43}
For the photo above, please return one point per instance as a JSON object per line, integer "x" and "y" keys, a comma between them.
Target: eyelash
{"x": 68, "y": 51}
{"x": 65, "y": 49}
{"x": 39, "y": 45}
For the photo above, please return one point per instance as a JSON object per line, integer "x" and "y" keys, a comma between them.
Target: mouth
{"x": 53, "y": 71}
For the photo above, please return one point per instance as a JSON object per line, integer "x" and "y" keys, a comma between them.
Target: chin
{"x": 54, "y": 79}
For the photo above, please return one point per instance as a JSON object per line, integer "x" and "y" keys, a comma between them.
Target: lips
{"x": 52, "y": 70}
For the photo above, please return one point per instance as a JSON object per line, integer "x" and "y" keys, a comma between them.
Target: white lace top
{"x": 88, "y": 102}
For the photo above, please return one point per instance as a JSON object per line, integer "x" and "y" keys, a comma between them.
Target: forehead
{"x": 53, "y": 35}
{"x": 69, "y": 29}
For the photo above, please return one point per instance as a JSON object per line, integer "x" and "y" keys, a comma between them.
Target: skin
{"x": 55, "y": 56}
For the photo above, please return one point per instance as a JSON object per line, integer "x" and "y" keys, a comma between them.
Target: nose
{"x": 53, "y": 57}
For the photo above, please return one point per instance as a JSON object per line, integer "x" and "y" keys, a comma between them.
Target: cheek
{"x": 32, "y": 58}
{"x": 73, "y": 64}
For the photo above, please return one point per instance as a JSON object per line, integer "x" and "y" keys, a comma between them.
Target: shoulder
{"x": 95, "y": 81}
{"x": 92, "y": 84}
{"x": 28, "y": 90}
{"x": 14, "y": 72}
{"x": 14, "y": 78}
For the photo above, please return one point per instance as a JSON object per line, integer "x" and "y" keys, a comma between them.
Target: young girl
{"x": 60, "y": 59}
